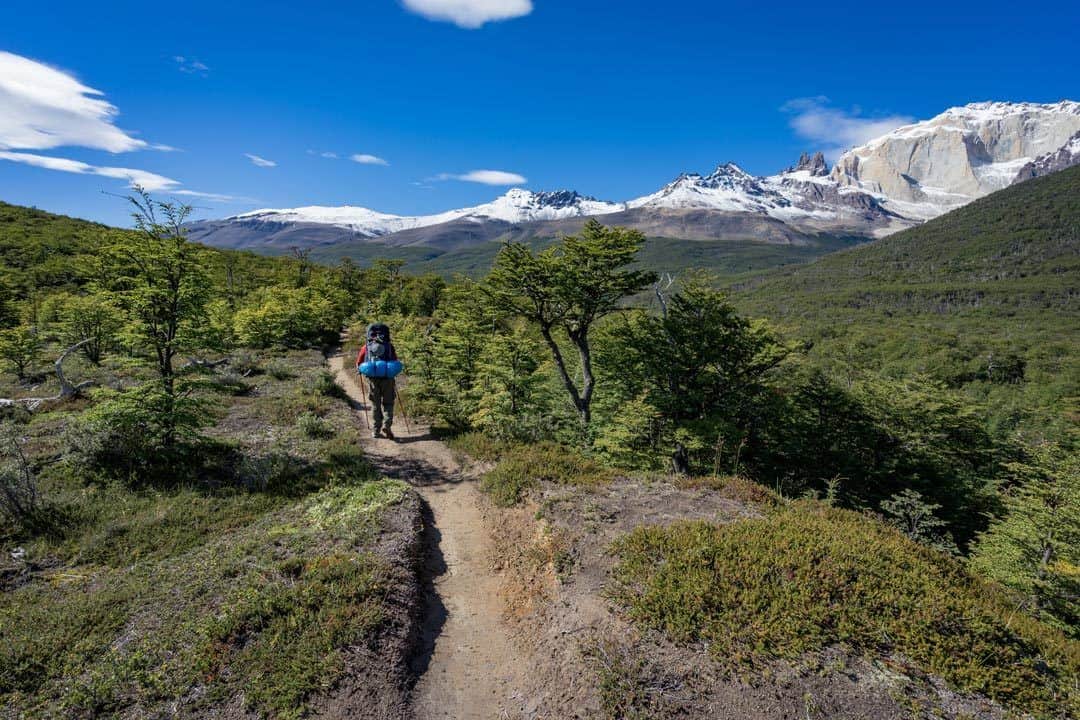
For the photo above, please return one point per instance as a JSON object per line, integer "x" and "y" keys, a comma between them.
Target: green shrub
{"x": 279, "y": 370}
{"x": 812, "y": 576}
{"x": 313, "y": 426}
{"x": 478, "y": 446}
{"x": 326, "y": 384}
{"x": 229, "y": 383}
{"x": 134, "y": 432}
{"x": 522, "y": 468}
{"x": 735, "y": 487}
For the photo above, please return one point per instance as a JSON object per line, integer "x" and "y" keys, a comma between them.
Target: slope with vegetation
{"x": 544, "y": 366}
{"x": 983, "y": 300}
{"x": 195, "y": 529}
{"x": 730, "y": 516}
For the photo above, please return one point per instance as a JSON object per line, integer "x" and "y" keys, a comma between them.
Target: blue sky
{"x": 612, "y": 99}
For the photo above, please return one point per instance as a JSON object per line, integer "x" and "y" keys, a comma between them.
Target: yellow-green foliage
{"x": 811, "y": 576}
{"x": 287, "y": 316}
{"x": 525, "y": 466}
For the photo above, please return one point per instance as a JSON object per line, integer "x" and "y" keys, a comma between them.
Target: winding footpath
{"x": 468, "y": 666}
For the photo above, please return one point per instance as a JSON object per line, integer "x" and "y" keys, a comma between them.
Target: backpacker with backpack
{"x": 379, "y": 359}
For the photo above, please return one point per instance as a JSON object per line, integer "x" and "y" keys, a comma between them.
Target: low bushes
{"x": 525, "y": 466}
{"x": 811, "y": 576}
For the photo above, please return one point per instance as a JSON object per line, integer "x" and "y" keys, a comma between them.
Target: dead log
{"x": 67, "y": 389}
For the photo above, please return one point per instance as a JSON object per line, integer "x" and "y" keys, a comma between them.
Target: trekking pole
{"x": 363, "y": 405}
{"x": 404, "y": 411}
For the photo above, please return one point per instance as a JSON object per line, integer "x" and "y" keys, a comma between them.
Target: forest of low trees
{"x": 574, "y": 345}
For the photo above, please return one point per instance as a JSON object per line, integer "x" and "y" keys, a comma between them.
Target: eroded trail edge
{"x": 467, "y": 663}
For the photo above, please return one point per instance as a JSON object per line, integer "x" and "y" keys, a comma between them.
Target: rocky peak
{"x": 559, "y": 198}
{"x": 1065, "y": 157}
{"x": 814, "y": 164}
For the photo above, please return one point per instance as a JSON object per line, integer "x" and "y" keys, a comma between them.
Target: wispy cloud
{"x": 368, "y": 159}
{"x": 42, "y": 108}
{"x": 190, "y": 65}
{"x": 486, "y": 177}
{"x": 149, "y": 181}
{"x": 835, "y": 129}
{"x": 260, "y": 161}
{"x": 469, "y": 14}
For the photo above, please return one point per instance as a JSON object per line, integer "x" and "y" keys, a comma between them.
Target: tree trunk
{"x": 560, "y": 363}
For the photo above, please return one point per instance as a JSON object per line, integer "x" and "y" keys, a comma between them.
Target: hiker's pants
{"x": 381, "y": 395}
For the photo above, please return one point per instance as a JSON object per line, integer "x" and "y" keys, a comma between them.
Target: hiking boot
{"x": 389, "y": 434}
{"x": 375, "y": 433}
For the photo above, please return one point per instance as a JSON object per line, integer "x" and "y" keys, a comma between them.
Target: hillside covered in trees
{"x": 983, "y": 299}
{"x": 797, "y": 480}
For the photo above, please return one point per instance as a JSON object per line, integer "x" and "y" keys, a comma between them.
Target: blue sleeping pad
{"x": 380, "y": 368}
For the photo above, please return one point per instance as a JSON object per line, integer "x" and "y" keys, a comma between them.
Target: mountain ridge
{"x": 898, "y": 180}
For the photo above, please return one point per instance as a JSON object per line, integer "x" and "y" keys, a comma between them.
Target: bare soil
{"x": 466, "y": 663}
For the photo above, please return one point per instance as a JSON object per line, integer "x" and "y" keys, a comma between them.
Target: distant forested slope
{"x": 985, "y": 298}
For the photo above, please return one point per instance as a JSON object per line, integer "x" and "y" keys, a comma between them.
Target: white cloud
{"x": 486, "y": 177}
{"x": 148, "y": 180}
{"x": 260, "y": 161}
{"x": 368, "y": 159}
{"x": 329, "y": 155}
{"x": 151, "y": 182}
{"x": 42, "y": 107}
{"x": 191, "y": 66}
{"x": 469, "y": 14}
{"x": 838, "y": 130}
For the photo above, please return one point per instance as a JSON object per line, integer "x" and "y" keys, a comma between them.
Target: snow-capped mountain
{"x": 927, "y": 168}
{"x": 516, "y": 206}
{"x": 1064, "y": 157}
{"x": 904, "y": 177}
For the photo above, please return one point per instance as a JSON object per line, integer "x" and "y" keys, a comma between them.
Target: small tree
{"x": 916, "y": 518}
{"x": 699, "y": 366}
{"x": 568, "y": 287}
{"x": 165, "y": 288}
{"x": 1034, "y": 547}
{"x": 20, "y": 348}
{"x": 94, "y": 319}
{"x": 18, "y": 486}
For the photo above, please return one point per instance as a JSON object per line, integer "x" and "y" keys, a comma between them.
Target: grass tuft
{"x": 522, "y": 468}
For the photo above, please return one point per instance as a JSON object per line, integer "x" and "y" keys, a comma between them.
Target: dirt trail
{"x": 468, "y": 666}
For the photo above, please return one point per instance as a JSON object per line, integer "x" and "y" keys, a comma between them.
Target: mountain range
{"x": 903, "y": 178}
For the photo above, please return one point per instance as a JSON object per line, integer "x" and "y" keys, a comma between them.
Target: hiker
{"x": 378, "y": 362}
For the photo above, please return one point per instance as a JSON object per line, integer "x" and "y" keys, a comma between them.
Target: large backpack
{"x": 378, "y": 342}
{"x": 378, "y": 363}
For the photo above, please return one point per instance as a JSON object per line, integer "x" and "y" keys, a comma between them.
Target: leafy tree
{"x": 1034, "y": 547}
{"x": 699, "y": 366}
{"x": 20, "y": 348}
{"x": 289, "y": 317}
{"x": 165, "y": 288}
{"x": 511, "y": 404}
{"x": 568, "y": 287}
{"x": 91, "y": 318}
{"x": 917, "y": 519}
{"x": 878, "y": 436}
